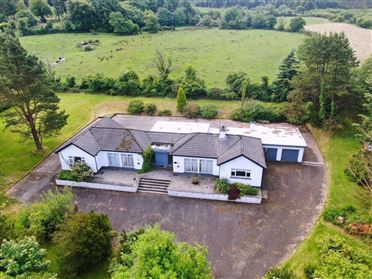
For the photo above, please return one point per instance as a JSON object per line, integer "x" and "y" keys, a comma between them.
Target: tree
{"x": 17, "y": 258}
{"x": 233, "y": 18}
{"x": 103, "y": 9}
{"x": 234, "y": 82}
{"x": 83, "y": 241}
{"x": 181, "y": 99}
{"x": 165, "y": 17}
{"x": 151, "y": 22}
{"x": 193, "y": 85}
{"x": 288, "y": 69}
{"x": 41, "y": 9}
{"x": 296, "y": 24}
{"x": 25, "y": 84}
{"x": 80, "y": 16}
{"x": 244, "y": 90}
{"x": 122, "y": 25}
{"x": 163, "y": 65}
{"x": 155, "y": 254}
{"x": 7, "y": 8}
{"x": 43, "y": 218}
{"x": 59, "y": 6}
{"x": 327, "y": 78}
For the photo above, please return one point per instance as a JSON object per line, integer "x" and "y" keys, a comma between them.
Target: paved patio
{"x": 182, "y": 182}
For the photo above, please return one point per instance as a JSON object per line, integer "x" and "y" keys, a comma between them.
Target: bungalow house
{"x": 106, "y": 143}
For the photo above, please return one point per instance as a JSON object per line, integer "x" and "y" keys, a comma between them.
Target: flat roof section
{"x": 180, "y": 127}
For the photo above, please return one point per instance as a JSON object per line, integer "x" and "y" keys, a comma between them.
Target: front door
{"x": 161, "y": 159}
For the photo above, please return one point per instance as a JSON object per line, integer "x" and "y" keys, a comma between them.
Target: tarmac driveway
{"x": 244, "y": 241}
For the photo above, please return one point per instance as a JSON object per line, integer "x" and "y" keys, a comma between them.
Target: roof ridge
{"x": 131, "y": 133}
{"x": 193, "y": 135}
{"x": 231, "y": 146}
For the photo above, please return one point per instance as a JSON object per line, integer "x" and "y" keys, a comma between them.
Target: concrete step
{"x": 312, "y": 164}
{"x": 156, "y": 186}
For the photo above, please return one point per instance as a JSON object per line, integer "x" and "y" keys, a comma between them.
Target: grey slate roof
{"x": 108, "y": 135}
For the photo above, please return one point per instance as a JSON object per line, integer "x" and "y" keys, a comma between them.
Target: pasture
{"x": 214, "y": 53}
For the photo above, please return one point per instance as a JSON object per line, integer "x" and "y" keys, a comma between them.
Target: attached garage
{"x": 290, "y": 155}
{"x": 271, "y": 153}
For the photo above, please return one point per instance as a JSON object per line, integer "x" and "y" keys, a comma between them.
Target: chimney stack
{"x": 222, "y": 132}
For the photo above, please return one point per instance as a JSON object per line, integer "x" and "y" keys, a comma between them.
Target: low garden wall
{"x": 100, "y": 186}
{"x": 214, "y": 196}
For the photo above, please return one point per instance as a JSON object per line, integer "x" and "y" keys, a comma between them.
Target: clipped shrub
{"x": 65, "y": 175}
{"x": 81, "y": 172}
{"x": 247, "y": 190}
{"x": 136, "y": 107}
{"x": 165, "y": 112}
{"x": 233, "y": 193}
{"x": 24, "y": 256}
{"x": 208, "y": 111}
{"x": 222, "y": 185}
{"x": 191, "y": 110}
{"x": 181, "y": 99}
{"x": 150, "y": 109}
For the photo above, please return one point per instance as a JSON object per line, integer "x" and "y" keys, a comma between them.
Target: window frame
{"x": 72, "y": 160}
{"x": 247, "y": 175}
{"x": 127, "y": 158}
{"x": 190, "y": 162}
{"x": 209, "y": 163}
{"x": 112, "y": 155}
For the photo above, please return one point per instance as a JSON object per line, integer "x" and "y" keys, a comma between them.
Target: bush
{"x": 253, "y": 111}
{"x": 332, "y": 214}
{"x": 136, "y": 107}
{"x": 279, "y": 273}
{"x": 339, "y": 260}
{"x": 44, "y": 218}
{"x": 83, "y": 241}
{"x": 191, "y": 110}
{"x": 70, "y": 82}
{"x": 209, "y": 111}
{"x": 150, "y": 109}
{"x": 147, "y": 155}
{"x": 24, "y": 256}
{"x": 359, "y": 168}
{"x": 65, "y": 175}
{"x": 97, "y": 83}
{"x": 165, "y": 112}
{"x": 309, "y": 271}
{"x": 7, "y": 230}
{"x": 222, "y": 185}
{"x": 181, "y": 99}
{"x": 81, "y": 172}
{"x": 247, "y": 190}
{"x": 155, "y": 251}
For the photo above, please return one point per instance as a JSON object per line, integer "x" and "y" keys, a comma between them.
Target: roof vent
{"x": 223, "y": 131}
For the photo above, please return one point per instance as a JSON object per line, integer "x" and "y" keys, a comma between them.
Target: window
{"x": 113, "y": 159}
{"x": 72, "y": 160}
{"x": 191, "y": 165}
{"x": 240, "y": 173}
{"x": 127, "y": 160}
{"x": 206, "y": 166}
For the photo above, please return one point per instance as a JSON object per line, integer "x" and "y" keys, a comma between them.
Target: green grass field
{"x": 213, "y": 52}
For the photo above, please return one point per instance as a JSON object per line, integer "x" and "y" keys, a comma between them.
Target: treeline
{"x": 293, "y": 4}
{"x": 362, "y": 18}
{"x": 130, "y": 17}
{"x": 238, "y": 84}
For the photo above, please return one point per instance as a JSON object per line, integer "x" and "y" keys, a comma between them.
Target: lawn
{"x": 214, "y": 53}
{"x": 337, "y": 149}
{"x": 17, "y": 158}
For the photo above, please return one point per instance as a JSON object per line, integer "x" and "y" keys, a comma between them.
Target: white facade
{"x": 98, "y": 161}
{"x": 73, "y": 151}
{"x": 241, "y": 163}
{"x": 179, "y": 165}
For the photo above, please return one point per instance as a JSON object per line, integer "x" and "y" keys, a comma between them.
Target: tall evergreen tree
{"x": 288, "y": 69}
{"x": 181, "y": 99}
{"x": 25, "y": 84}
{"x": 328, "y": 77}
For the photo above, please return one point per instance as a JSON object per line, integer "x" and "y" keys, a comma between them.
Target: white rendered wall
{"x": 244, "y": 164}
{"x": 179, "y": 164}
{"x": 74, "y": 151}
{"x": 280, "y": 148}
{"x": 102, "y": 160}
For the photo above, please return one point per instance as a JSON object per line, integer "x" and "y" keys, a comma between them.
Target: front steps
{"x": 156, "y": 186}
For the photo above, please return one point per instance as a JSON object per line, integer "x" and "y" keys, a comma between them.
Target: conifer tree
{"x": 181, "y": 99}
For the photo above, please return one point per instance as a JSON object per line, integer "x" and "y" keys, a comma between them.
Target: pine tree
{"x": 244, "y": 90}
{"x": 181, "y": 99}
{"x": 25, "y": 85}
{"x": 288, "y": 69}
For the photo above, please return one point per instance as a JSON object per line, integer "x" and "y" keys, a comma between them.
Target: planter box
{"x": 216, "y": 197}
{"x": 100, "y": 186}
